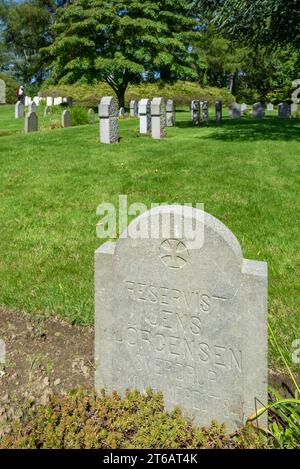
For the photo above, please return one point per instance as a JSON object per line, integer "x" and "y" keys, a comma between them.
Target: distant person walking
{"x": 20, "y": 94}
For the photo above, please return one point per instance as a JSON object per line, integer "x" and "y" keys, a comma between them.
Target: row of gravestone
{"x": 258, "y": 110}
{"x": 200, "y": 111}
{"x": 154, "y": 116}
{"x": 48, "y": 100}
{"x": 20, "y": 109}
{"x": 31, "y": 121}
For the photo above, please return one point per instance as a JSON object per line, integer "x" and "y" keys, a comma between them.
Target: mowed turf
{"x": 246, "y": 172}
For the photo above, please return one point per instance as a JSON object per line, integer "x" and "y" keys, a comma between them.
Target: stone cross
{"x": 219, "y": 106}
{"x": 108, "y": 114}
{"x": 205, "y": 111}
{"x": 19, "y": 110}
{"x": 144, "y": 109}
{"x": 2, "y": 92}
{"x": 170, "y": 113}
{"x": 179, "y": 310}
{"x": 235, "y": 110}
{"x": 258, "y": 111}
{"x": 158, "y": 118}
{"x": 284, "y": 111}
{"x": 66, "y": 118}
{"x": 195, "y": 107}
{"x": 133, "y": 108}
{"x": 31, "y": 122}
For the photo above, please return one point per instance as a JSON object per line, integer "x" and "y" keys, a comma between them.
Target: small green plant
{"x": 79, "y": 115}
{"x": 284, "y": 413}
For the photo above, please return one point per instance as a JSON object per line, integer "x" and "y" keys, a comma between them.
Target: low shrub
{"x": 182, "y": 92}
{"x": 84, "y": 420}
{"x": 79, "y": 115}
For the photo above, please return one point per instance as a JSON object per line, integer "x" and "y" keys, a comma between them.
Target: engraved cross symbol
{"x": 174, "y": 253}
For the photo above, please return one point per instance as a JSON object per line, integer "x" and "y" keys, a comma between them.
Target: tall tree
{"x": 121, "y": 41}
{"x": 25, "y": 30}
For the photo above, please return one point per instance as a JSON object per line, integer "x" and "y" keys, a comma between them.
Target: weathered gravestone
{"x": 195, "y": 107}
{"x": 133, "y": 108}
{"x": 47, "y": 110}
{"x": 19, "y": 110}
{"x": 284, "y": 111}
{"x": 188, "y": 319}
{"x": 218, "y": 107}
{"x": 258, "y": 111}
{"x": 2, "y": 92}
{"x": 145, "y": 116}
{"x": 31, "y": 122}
{"x": 91, "y": 116}
{"x": 270, "y": 107}
{"x": 108, "y": 114}
{"x": 244, "y": 107}
{"x": 170, "y": 113}
{"x": 205, "y": 111}
{"x": 235, "y": 110}
{"x": 32, "y": 107}
{"x": 158, "y": 118}
{"x": 65, "y": 118}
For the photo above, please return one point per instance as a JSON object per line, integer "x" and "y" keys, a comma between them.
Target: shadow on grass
{"x": 270, "y": 128}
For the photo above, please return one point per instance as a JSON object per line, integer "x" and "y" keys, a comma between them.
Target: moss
{"x": 84, "y": 420}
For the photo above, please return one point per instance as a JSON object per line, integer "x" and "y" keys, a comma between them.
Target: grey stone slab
{"x": 158, "y": 118}
{"x": 32, "y": 107}
{"x": 31, "y": 122}
{"x": 133, "y": 108}
{"x": 218, "y": 108}
{"x": 108, "y": 113}
{"x": 258, "y": 111}
{"x": 19, "y": 110}
{"x": 66, "y": 118}
{"x": 270, "y": 107}
{"x": 284, "y": 111}
{"x": 91, "y": 116}
{"x": 2, "y": 92}
{"x": 195, "y": 110}
{"x": 144, "y": 109}
{"x": 235, "y": 110}
{"x": 170, "y": 113}
{"x": 47, "y": 110}
{"x": 183, "y": 317}
{"x": 205, "y": 111}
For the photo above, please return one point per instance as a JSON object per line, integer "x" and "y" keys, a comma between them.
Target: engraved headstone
{"x": 270, "y": 107}
{"x": 31, "y": 122}
{"x": 65, "y": 118}
{"x": 235, "y": 110}
{"x": 19, "y": 110}
{"x": 205, "y": 111}
{"x": 108, "y": 114}
{"x": 91, "y": 116}
{"x": 218, "y": 106}
{"x": 158, "y": 118}
{"x": 145, "y": 116}
{"x": 133, "y": 108}
{"x": 258, "y": 111}
{"x": 47, "y": 110}
{"x": 188, "y": 319}
{"x": 195, "y": 106}
{"x": 170, "y": 113}
{"x": 2, "y": 92}
{"x": 284, "y": 111}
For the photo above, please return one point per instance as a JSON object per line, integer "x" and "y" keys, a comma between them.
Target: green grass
{"x": 245, "y": 172}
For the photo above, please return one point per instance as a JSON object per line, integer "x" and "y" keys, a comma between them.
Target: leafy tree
{"x": 25, "y": 30}
{"x": 122, "y": 41}
{"x": 268, "y": 22}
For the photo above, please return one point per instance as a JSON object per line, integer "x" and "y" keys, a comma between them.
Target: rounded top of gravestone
{"x": 108, "y": 107}
{"x": 144, "y": 106}
{"x": 170, "y": 105}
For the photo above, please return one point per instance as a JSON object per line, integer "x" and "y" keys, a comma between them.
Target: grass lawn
{"x": 246, "y": 172}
